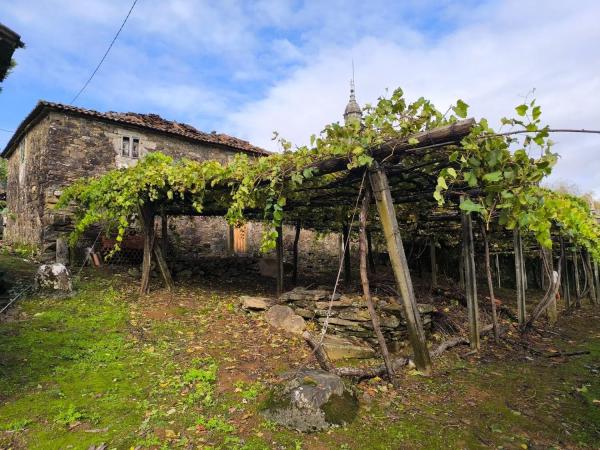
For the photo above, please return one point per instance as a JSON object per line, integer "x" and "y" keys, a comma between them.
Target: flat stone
{"x": 283, "y": 317}
{"x": 336, "y": 304}
{"x": 357, "y": 315}
{"x": 341, "y": 323}
{"x": 306, "y": 313}
{"x": 338, "y": 348}
{"x": 256, "y": 303}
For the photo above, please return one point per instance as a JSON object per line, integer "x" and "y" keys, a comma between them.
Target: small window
{"x": 125, "y": 146}
{"x": 135, "y": 148}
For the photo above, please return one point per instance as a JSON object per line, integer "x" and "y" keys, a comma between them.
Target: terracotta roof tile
{"x": 149, "y": 121}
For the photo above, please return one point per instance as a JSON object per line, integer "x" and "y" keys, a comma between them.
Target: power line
{"x": 7, "y": 131}
{"x": 105, "y": 54}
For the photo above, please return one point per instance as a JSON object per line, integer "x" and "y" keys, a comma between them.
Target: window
{"x": 135, "y": 148}
{"x": 125, "y": 146}
{"x": 130, "y": 147}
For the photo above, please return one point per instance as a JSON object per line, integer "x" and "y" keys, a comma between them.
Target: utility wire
{"x": 7, "y": 131}
{"x": 105, "y": 54}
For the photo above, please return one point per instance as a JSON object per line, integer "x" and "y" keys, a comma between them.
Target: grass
{"x": 193, "y": 371}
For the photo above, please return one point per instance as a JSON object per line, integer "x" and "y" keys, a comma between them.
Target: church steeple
{"x": 353, "y": 111}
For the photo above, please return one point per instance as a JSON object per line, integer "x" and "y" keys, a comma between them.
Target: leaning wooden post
{"x": 591, "y": 278}
{"x": 346, "y": 254}
{"x": 461, "y": 269}
{"x": 470, "y": 279}
{"x": 566, "y": 276}
{"x": 164, "y": 268}
{"x": 488, "y": 270}
{"x": 146, "y": 215}
{"x": 498, "y": 271}
{"x": 279, "y": 256}
{"x": 597, "y": 280}
{"x": 552, "y": 310}
{"x": 164, "y": 231}
{"x": 371, "y": 259}
{"x": 389, "y": 223}
{"x": 576, "y": 274}
{"x": 519, "y": 278}
{"x": 364, "y": 278}
{"x": 433, "y": 263}
{"x": 295, "y": 255}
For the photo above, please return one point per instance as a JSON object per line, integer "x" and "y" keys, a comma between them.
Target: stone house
{"x": 57, "y": 144}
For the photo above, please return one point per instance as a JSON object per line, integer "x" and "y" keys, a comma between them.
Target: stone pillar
{"x": 62, "y": 250}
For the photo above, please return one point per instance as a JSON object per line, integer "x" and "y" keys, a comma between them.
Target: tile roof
{"x": 151, "y": 122}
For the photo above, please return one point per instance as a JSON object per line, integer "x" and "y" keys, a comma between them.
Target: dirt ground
{"x": 192, "y": 370}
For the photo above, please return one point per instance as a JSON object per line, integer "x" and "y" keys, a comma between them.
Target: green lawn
{"x": 191, "y": 371}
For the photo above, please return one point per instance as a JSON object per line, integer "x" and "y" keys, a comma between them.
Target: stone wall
{"x": 349, "y": 314}
{"x": 62, "y": 148}
{"x": 25, "y": 188}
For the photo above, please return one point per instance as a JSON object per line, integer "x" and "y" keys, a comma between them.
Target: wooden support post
{"x": 552, "y": 310}
{"x": 498, "y": 272}
{"x": 279, "y": 255}
{"x": 488, "y": 270}
{"x": 567, "y": 282}
{"x": 461, "y": 269}
{"x": 391, "y": 232}
{"x": 147, "y": 220}
{"x": 470, "y": 280}
{"x": 164, "y": 268}
{"x": 364, "y": 212}
{"x": 164, "y": 231}
{"x": 346, "y": 250}
{"x": 591, "y": 278}
{"x": 230, "y": 240}
{"x": 576, "y": 274}
{"x": 371, "y": 261}
{"x": 433, "y": 263}
{"x": 597, "y": 281}
{"x": 543, "y": 274}
{"x": 295, "y": 256}
{"x": 520, "y": 278}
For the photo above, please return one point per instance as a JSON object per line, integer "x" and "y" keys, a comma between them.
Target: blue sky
{"x": 249, "y": 68}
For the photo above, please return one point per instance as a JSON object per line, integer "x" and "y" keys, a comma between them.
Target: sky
{"x": 251, "y": 68}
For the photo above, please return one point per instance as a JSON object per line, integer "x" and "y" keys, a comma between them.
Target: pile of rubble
{"x": 350, "y": 331}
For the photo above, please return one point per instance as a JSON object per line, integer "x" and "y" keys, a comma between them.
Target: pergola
{"x": 403, "y": 172}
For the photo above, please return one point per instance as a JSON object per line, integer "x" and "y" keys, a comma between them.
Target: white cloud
{"x": 492, "y": 62}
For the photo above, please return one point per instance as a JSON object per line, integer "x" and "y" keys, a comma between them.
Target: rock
{"x": 300, "y": 293}
{"x": 134, "y": 272}
{"x": 357, "y": 315}
{"x": 283, "y": 317}
{"x": 185, "y": 274}
{"x": 306, "y": 313}
{"x": 53, "y": 278}
{"x": 313, "y": 400}
{"x": 338, "y": 347}
{"x": 336, "y": 304}
{"x": 256, "y": 303}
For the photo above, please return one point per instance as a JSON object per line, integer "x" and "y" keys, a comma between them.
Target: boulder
{"x": 338, "y": 348}
{"x": 313, "y": 400}
{"x": 283, "y": 317}
{"x": 256, "y": 303}
{"x": 53, "y": 278}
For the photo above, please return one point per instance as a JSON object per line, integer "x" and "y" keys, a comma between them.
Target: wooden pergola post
{"x": 576, "y": 275}
{"x": 592, "y": 278}
{"x": 295, "y": 255}
{"x": 364, "y": 278}
{"x": 567, "y": 282}
{"x": 371, "y": 259}
{"x": 147, "y": 221}
{"x": 346, "y": 254}
{"x": 470, "y": 279}
{"x": 597, "y": 280}
{"x": 389, "y": 223}
{"x": 164, "y": 230}
{"x": 552, "y": 310}
{"x": 279, "y": 256}
{"x": 432, "y": 256}
{"x": 230, "y": 240}
{"x": 520, "y": 277}
{"x": 498, "y": 271}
